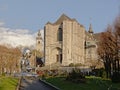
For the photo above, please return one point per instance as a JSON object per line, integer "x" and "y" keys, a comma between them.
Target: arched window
{"x": 59, "y": 55}
{"x": 38, "y": 42}
{"x": 60, "y": 34}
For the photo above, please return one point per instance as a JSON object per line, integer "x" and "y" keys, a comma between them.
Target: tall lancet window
{"x": 60, "y": 34}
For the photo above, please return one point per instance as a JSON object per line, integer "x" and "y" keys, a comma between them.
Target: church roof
{"x": 62, "y": 18}
{"x": 90, "y": 29}
{"x": 95, "y": 36}
{"x": 39, "y": 34}
{"x": 49, "y": 22}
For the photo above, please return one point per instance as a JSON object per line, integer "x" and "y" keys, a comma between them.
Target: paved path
{"x": 31, "y": 83}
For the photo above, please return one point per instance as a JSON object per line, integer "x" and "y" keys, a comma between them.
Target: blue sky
{"x": 34, "y": 14}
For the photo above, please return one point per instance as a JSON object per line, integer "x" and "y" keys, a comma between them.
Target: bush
{"x": 78, "y": 64}
{"x": 104, "y": 74}
{"x": 76, "y": 76}
{"x": 116, "y": 77}
{"x": 62, "y": 73}
{"x": 99, "y": 72}
{"x": 71, "y": 65}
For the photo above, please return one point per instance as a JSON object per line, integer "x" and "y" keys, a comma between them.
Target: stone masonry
{"x": 66, "y": 41}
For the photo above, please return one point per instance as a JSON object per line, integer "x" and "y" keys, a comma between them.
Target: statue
{"x": 25, "y": 63}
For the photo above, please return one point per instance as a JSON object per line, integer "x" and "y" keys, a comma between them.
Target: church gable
{"x": 62, "y": 18}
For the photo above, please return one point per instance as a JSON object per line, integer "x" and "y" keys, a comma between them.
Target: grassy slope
{"x": 8, "y": 83}
{"x": 92, "y": 84}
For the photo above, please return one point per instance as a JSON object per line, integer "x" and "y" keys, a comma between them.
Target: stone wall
{"x": 72, "y": 45}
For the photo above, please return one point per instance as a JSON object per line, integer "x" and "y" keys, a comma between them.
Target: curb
{"x": 19, "y": 82}
{"x": 49, "y": 84}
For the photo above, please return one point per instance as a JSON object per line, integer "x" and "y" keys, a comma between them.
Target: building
{"x": 39, "y": 50}
{"x": 91, "y": 56}
{"x": 66, "y": 41}
{"x": 39, "y": 42}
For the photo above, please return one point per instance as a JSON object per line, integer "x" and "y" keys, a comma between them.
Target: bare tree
{"x": 109, "y": 48}
{"x": 9, "y": 59}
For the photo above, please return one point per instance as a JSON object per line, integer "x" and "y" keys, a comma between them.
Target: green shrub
{"x": 71, "y": 65}
{"x": 76, "y": 76}
{"x": 116, "y": 77}
{"x": 104, "y": 74}
{"x": 78, "y": 64}
{"x": 100, "y": 72}
{"x": 62, "y": 73}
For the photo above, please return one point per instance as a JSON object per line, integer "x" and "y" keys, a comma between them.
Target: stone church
{"x": 66, "y": 41}
{"x": 39, "y": 40}
{"x": 35, "y": 59}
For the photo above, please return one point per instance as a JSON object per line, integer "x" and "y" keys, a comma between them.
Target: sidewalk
{"x": 33, "y": 84}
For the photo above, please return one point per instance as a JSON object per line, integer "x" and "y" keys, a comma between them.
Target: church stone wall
{"x": 72, "y": 45}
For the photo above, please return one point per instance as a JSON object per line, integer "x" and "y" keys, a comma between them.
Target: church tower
{"x": 39, "y": 42}
{"x": 90, "y": 29}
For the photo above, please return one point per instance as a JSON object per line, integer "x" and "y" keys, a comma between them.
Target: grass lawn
{"x": 8, "y": 83}
{"x": 92, "y": 83}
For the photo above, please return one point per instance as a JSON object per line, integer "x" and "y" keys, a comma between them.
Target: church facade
{"x": 66, "y": 41}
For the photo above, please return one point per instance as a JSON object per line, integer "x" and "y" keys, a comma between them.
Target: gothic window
{"x": 85, "y": 43}
{"x": 38, "y": 42}
{"x": 60, "y": 33}
{"x": 59, "y": 55}
{"x": 59, "y": 58}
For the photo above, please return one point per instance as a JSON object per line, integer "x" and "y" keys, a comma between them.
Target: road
{"x": 32, "y": 83}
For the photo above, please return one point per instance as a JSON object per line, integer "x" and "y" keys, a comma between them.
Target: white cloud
{"x": 42, "y": 33}
{"x": 1, "y": 23}
{"x": 16, "y": 37}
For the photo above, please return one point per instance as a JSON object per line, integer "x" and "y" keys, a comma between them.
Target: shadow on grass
{"x": 93, "y": 83}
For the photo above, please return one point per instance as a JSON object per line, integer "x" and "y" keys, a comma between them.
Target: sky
{"x": 29, "y": 16}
